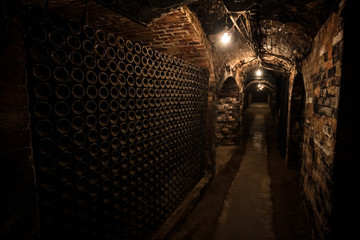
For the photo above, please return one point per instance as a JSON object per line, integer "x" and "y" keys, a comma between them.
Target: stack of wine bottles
{"x": 118, "y": 130}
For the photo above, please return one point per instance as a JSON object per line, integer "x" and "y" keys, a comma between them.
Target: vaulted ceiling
{"x": 272, "y": 33}
{"x": 277, "y": 28}
{"x": 309, "y": 13}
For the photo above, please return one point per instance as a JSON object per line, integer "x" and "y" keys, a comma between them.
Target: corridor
{"x": 240, "y": 204}
{"x": 247, "y": 211}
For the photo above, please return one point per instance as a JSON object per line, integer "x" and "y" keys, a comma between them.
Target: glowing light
{"x": 225, "y": 39}
{"x": 258, "y": 72}
{"x": 260, "y": 86}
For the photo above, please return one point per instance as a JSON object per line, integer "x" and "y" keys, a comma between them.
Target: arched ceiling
{"x": 144, "y": 11}
{"x": 279, "y": 32}
{"x": 268, "y": 78}
{"x": 274, "y": 34}
{"x": 168, "y": 28}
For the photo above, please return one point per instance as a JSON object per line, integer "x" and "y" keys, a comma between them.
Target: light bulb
{"x": 225, "y": 39}
{"x": 260, "y": 86}
{"x": 258, "y": 72}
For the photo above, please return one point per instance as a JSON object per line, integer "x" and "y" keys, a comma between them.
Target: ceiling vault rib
{"x": 246, "y": 34}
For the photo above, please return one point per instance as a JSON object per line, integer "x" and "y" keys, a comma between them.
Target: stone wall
{"x": 322, "y": 74}
{"x": 228, "y": 114}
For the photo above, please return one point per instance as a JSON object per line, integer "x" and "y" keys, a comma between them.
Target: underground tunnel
{"x": 188, "y": 119}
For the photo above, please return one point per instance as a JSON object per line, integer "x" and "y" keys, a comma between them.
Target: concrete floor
{"x": 223, "y": 156}
{"x": 239, "y": 204}
{"x": 247, "y": 211}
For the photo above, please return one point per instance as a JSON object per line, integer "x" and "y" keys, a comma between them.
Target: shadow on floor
{"x": 289, "y": 218}
{"x": 289, "y": 221}
{"x": 202, "y": 222}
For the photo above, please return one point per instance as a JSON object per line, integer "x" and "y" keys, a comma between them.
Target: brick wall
{"x": 178, "y": 32}
{"x": 322, "y": 74}
{"x": 18, "y": 218}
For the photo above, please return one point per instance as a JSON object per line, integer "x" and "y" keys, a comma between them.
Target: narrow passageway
{"x": 247, "y": 211}
{"x": 243, "y": 203}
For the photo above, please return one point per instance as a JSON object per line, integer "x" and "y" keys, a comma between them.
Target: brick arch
{"x": 177, "y": 33}
{"x": 245, "y": 69}
{"x": 229, "y": 83}
{"x": 269, "y": 62}
{"x": 281, "y": 46}
{"x": 285, "y": 41}
{"x": 267, "y": 85}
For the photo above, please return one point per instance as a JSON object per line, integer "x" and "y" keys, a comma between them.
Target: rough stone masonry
{"x": 228, "y": 114}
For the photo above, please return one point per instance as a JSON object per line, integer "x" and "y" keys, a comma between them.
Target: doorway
{"x": 228, "y": 114}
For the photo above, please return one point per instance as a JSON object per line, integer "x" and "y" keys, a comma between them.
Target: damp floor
{"x": 247, "y": 211}
{"x": 242, "y": 203}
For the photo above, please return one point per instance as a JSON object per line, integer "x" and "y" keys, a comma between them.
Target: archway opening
{"x": 228, "y": 114}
